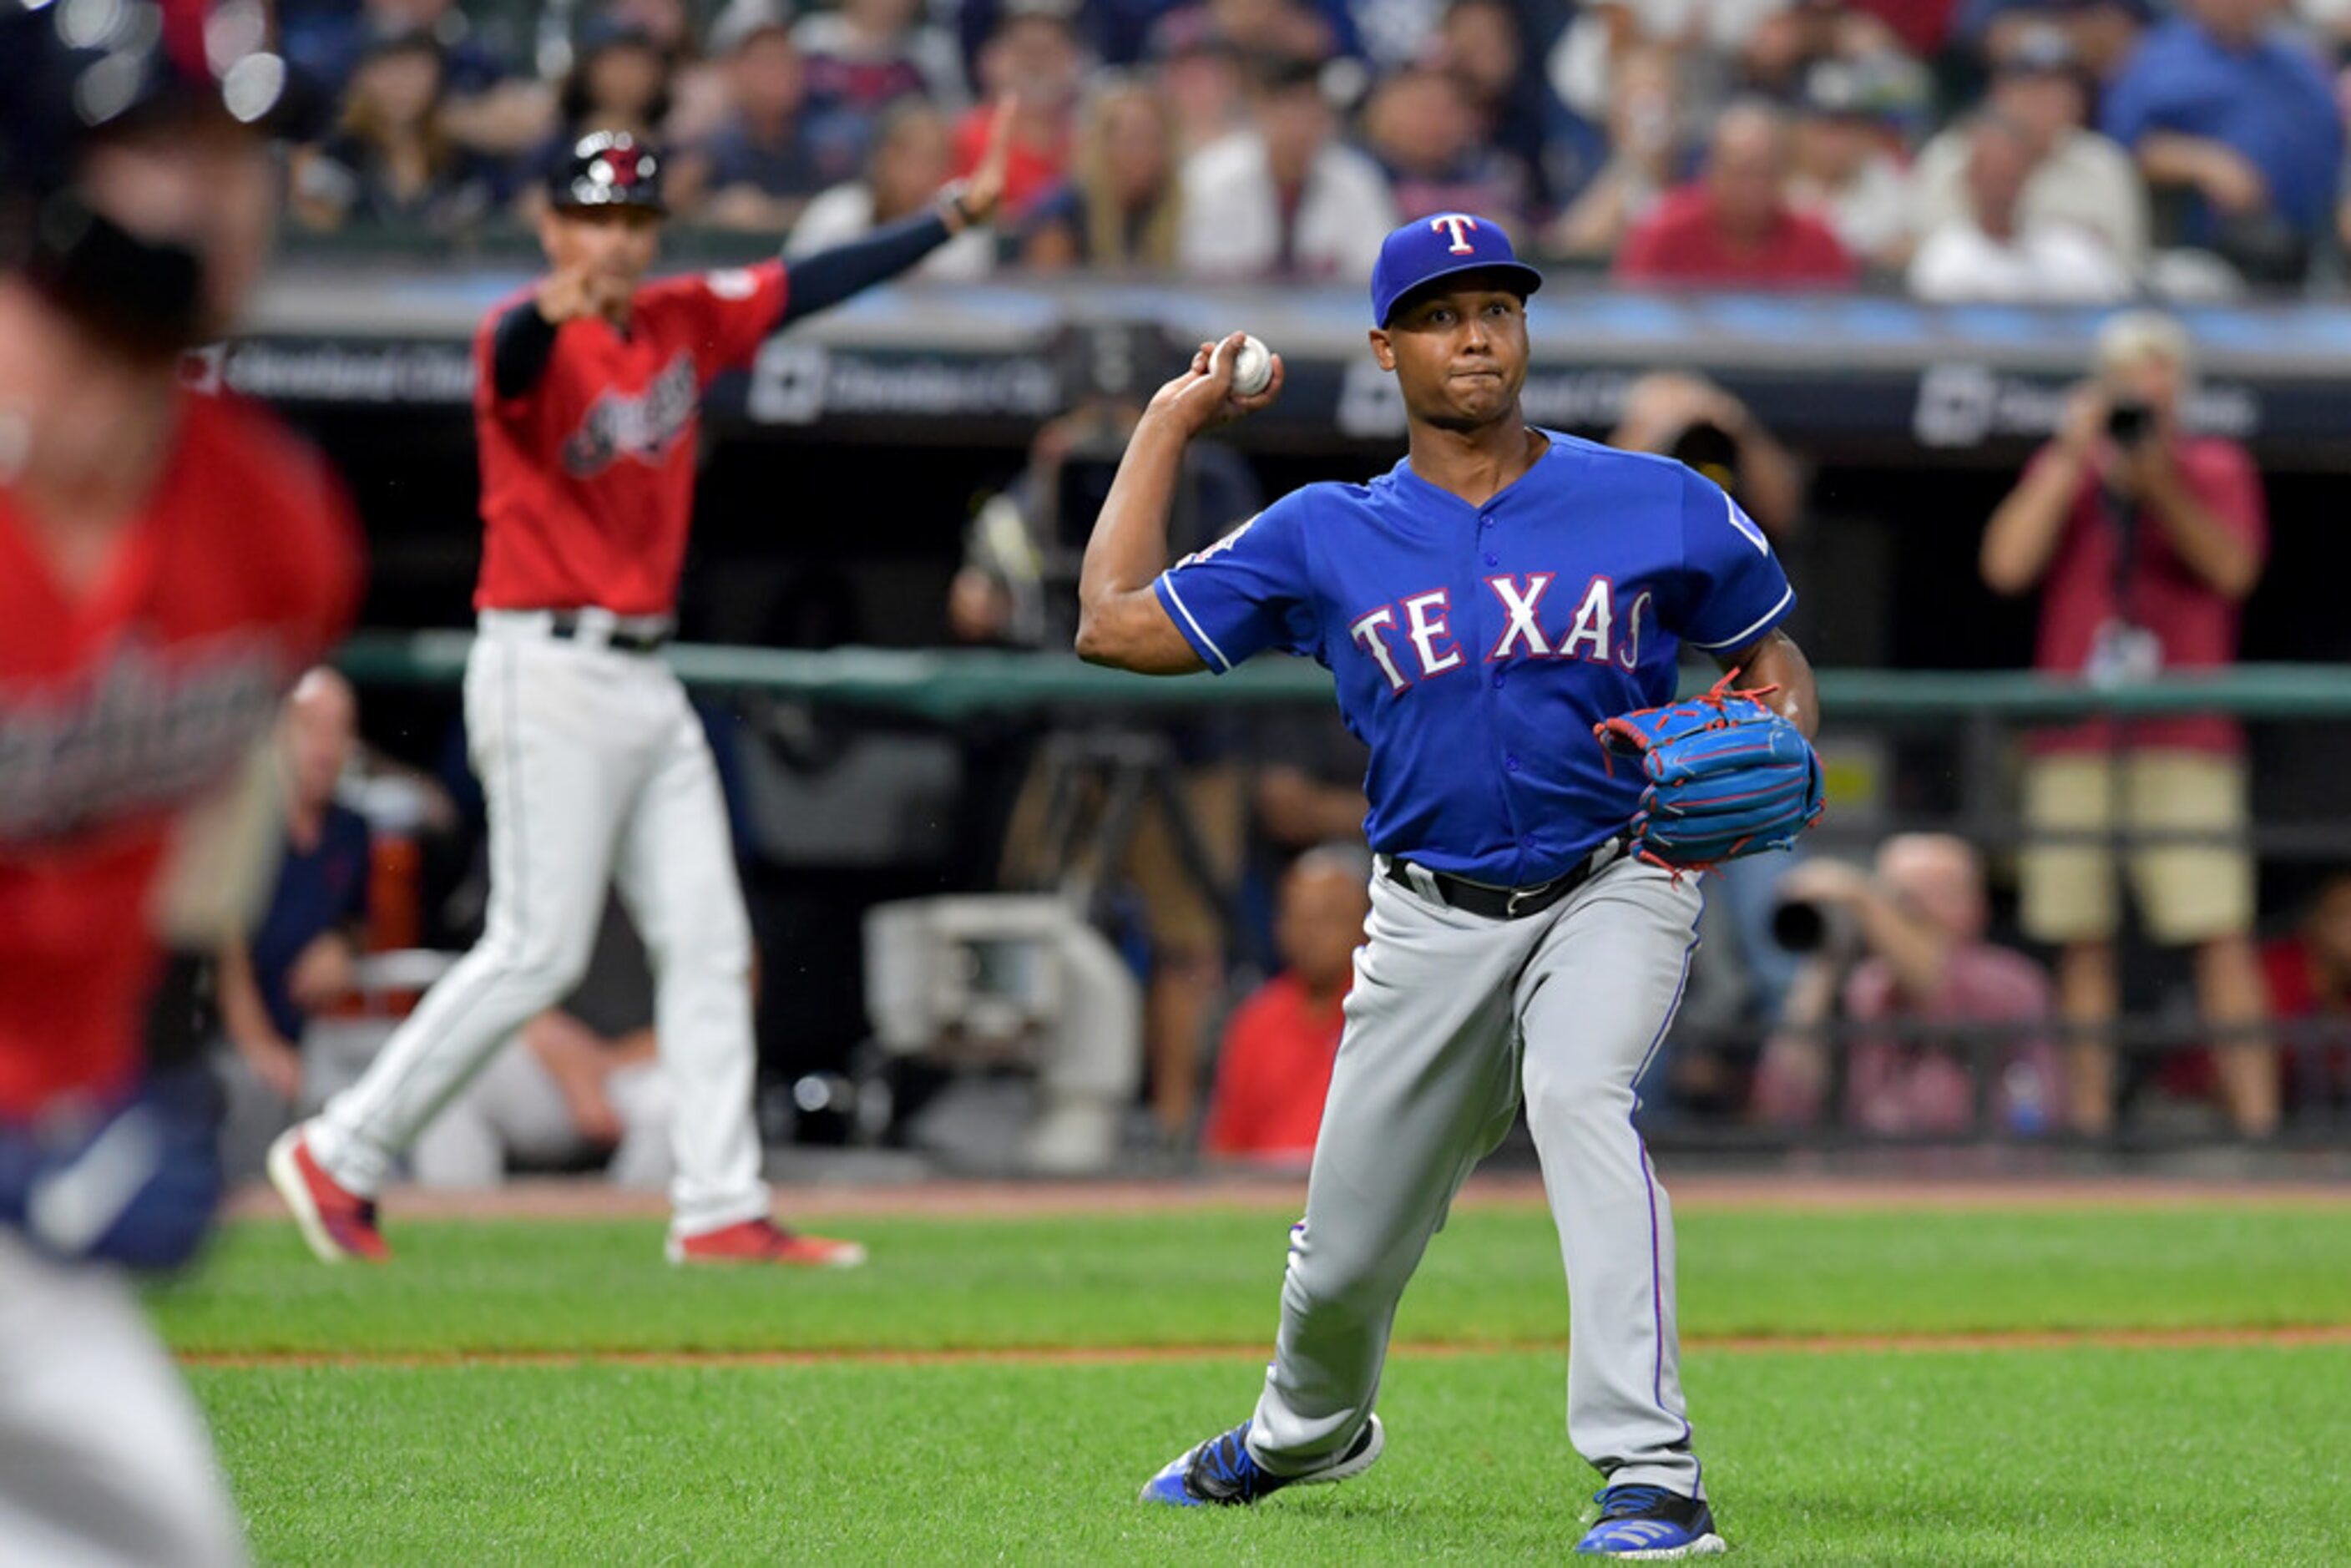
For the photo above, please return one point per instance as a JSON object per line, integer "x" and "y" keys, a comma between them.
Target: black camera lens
{"x": 1799, "y": 926}
{"x": 2127, "y": 422}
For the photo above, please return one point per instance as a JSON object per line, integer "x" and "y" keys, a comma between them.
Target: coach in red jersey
{"x": 593, "y": 764}
{"x": 168, "y": 562}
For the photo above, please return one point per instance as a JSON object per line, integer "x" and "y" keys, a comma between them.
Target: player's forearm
{"x": 830, "y": 277}
{"x": 2023, "y": 533}
{"x": 1128, "y": 546}
{"x": 1776, "y": 662}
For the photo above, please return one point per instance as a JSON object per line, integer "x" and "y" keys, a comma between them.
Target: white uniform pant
{"x": 103, "y": 1460}
{"x": 1452, "y": 1016}
{"x": 595, "y": 771}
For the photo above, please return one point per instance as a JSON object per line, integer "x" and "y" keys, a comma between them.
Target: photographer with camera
{"x": 1903, "y": 948}
{"x": 1685, "y": 416}
{"x": 1017, "y": 587}
{"x": 2145, "y": 541}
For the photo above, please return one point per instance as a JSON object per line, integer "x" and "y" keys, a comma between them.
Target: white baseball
{"x": 1252, "y": 367}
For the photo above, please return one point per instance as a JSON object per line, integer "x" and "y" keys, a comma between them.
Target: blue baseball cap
{"x": 1427, "y": 249}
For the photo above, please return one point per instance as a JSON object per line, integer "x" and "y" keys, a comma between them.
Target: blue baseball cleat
{"x": 1651, "y": 1524}
{"x": 1220, "y": 1470}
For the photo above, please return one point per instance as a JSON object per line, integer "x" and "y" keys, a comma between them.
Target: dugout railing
{"x": 1969, "y": 725}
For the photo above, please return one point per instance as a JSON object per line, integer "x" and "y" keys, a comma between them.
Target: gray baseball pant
{"x": 104, "y": 1462}
{"x": 1453, "y": 1016}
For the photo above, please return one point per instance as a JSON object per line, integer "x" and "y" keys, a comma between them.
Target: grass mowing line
{"x": 1129, "y": 1355}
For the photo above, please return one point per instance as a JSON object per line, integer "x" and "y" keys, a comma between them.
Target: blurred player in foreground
{"x": 594, "y": 766}
{"x": 168, "y": 562}
{"x": 1490, "y": 610}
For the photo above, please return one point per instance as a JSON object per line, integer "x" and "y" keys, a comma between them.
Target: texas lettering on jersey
{"x": 1421, "y": 623}
{"x": 1474, "y": 645}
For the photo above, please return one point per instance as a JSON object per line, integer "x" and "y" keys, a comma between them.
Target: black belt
{"x": 568, "y": 624}
{"x": 1503, "y": 902}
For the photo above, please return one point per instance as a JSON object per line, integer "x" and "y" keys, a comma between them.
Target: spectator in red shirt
{"x": 1274, "y": 1069}
{"x": 1033, "y": 55}
{"x": 1733, "y": 225}
{"x": 2144, "y": 541}
{"x": 2309, "y": 976}
{"x": 1917, "y": 930}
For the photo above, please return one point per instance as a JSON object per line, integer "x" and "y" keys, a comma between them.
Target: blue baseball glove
{"x": 1727, "y": 777}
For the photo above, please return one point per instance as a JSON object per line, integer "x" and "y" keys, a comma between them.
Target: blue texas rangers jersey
{"x": 1475, "y": 647}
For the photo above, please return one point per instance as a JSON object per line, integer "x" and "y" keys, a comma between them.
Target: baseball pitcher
{"x": 1502, "y": 612}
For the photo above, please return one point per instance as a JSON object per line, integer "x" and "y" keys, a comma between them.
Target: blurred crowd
{"x": 1966, "y": 150}
{"x": 2109, "y": 973}
{"x": 1931, "y": 991}
{"x": 2091, "y": 151}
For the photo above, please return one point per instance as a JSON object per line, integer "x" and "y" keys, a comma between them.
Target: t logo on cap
{"x": 1445, "y": 244}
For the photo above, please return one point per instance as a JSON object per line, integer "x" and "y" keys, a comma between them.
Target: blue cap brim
{"x": 1527, "y": 278}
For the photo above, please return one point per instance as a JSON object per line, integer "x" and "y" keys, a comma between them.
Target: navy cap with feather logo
{"x": 608, "y": 169}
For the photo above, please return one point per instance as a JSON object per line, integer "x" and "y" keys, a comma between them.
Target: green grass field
{"x": 477, "y": 1402}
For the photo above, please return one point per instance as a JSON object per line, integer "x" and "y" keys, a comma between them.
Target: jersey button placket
{"x": 1511, "y": 762}
{"x": 1484, "y": 523}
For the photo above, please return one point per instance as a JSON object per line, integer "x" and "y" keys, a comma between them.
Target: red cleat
{"x": 337, "y": 1223}
{"x": 764, "y": 1241}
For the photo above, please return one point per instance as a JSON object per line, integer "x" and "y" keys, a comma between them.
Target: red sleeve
{"x": 722, "y": 316}
{"x": 349, "y": 570}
